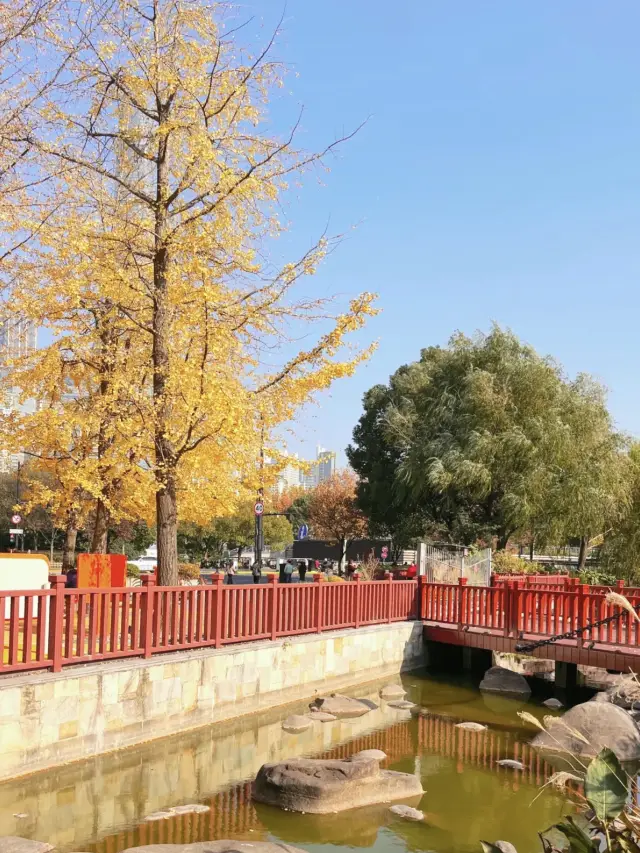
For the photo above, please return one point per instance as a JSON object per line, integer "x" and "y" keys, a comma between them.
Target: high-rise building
{"x": 18, "y": 337}
{"x": 325, "y": 465}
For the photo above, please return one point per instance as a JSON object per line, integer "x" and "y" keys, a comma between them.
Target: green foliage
{"x": 579, "y": 841}
{"x": 597, "y": 577}
{"x": 238, "y": 531}
{"x": 606, "y": 785}
{"x": 506, "y": 563}
{"x": 484, "y": 439}
{"x": 620, "y": 553}
{"x": 132, "y": 571}
{"x": 298, "y": 512}
{"x": 188, "y": 571}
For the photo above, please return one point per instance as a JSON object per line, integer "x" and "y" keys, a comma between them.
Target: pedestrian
{"x": 72, "y": 579}
{"x": 281, "y": 576}
{"x": 256, "y": 571}
{"x": 302, "y": 570}
{"x": 351, "y": 570}
{"x": 288, "y": 571}
{"x": 230, "y": 572}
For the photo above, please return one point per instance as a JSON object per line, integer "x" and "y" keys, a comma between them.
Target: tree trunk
{"x": 100, "y": 529}
{"x": 167, "y": 524}
{"x": 69, "y": 548}
{"x": 343, "y": 551}
{"x": 582, "y": 555}
{"x": 165, "y": 456}
{"x": 503, "y": 540}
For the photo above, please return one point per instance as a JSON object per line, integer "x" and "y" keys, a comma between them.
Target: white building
{"x": 18, "y": 338}
{"x": 295, "y": 476}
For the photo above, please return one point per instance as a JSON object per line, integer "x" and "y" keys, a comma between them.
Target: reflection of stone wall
{"x": 71, "y": 806}
{"x": 47, "y": 719}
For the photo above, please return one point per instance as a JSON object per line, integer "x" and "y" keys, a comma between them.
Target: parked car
{"x": 145, "y": 564}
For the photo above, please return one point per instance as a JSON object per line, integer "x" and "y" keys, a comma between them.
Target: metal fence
{"x": 441, "y": 565}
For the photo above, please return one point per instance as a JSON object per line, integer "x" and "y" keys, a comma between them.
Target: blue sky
{"x": 497, "y": 178}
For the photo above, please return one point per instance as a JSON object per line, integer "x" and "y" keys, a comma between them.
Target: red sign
{"x": 258, "y": 508}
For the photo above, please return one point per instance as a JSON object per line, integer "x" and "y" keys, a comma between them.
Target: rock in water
{"x": 501, "y": 680}
{"x": 600, "y": 724}
{"x": 321, "y": 716}
{"x": 392, "y": 691}
{"x": 553, "y": 703}
{"x": 510, "y": 762}
{"x": 15, "y": 844}
{"x": 407, "y": 812}
{"x": 471, "y": 727}
{"x": 190, "y": 808}
{"x": 342, "y": 707}
{"x": 217, "y": 847}
{"x": 505, "y": 847}
{"x": 376, "y": 754}
{"x": 322, "y": 786}
{"x": 403, "y": 704}
{"x": 371, "y": 705}
{"x": 296, "y": 724}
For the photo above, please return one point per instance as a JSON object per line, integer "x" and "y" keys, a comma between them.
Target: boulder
{"x": 15, "y": 844}
{"x": 407, "y": 812}
{"x": 625, "y": 694}
{"x": 217, "y": 847}
{"x": 342, "y": 707}
{"x": 392, "y": 691}
{"x": 600, "y": 724}
{"x": 553, "y": 703}
{"x": 321, "y": 716}
{"x": 501, "y": 680}
{"x": 402, "y": 704}
{"x": 420, "y": 711}
{"x": 323, "y": 786}
{"x": 505, "y": 847}
{"x": 371, "y": 705}
{"x": 471, "y": 727}
{"x": 376, "y": 754}
{"x": 296, "y": 724}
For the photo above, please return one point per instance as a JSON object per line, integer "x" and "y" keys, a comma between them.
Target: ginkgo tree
{"x": 171, "y": 181}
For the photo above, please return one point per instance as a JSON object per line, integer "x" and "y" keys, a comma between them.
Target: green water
{"x": 100, "y": 805}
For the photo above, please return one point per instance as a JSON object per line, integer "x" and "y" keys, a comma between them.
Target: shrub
{"x": 132, "y": 571}
{"x": 506, "y": 563}
{"x": 335, "y": 579}
{"x": 189, "y": 571}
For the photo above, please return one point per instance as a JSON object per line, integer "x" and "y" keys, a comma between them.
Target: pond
{"x": 100, "y": 805}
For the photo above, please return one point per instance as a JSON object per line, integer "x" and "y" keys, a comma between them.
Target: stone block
{"x": 110, "y": 687}
{"x": 66, "y": 687}
{"x": 11, "y": 736}
{"x": 68, "y": 729}
{"x": 10, "y": 702}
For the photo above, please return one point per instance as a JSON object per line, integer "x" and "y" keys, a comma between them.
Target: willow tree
{"x": 172, "y": 183}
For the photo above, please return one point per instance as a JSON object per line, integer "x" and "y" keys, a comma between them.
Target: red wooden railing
{"x": 57, "y": 627}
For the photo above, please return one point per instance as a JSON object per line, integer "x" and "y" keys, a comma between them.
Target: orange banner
{"x": 101, "y": 571}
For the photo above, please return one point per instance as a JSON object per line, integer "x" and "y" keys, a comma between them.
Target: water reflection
{"x": 100, "y": 805}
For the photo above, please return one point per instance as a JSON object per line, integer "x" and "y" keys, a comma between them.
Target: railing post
{"x": 358, "y": 598}
{"x": 462, "y": 598}
{"x": 389, "y": 594}
{"x": 319, "y": 600}
{"x": 492, "y": 579}
{"x": 56, "y": 620}
{"x": 218, "y": 581}
{"x": 273, "y": 607}
{"x": 583, "y": 610}
{"x": 619, "y": 584}
{"x": 149, "y": 587}
{"x": 515, "y": 607}
{"x": 422, "y": 597}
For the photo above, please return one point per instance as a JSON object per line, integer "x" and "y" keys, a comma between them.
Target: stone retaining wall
{"x": 47, "y": 719}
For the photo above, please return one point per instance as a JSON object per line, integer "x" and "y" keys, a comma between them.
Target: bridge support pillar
{"x": 566, "y": 675}
{"x": 477, "y": 660}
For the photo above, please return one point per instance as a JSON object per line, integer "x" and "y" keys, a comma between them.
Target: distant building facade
{"x": 18, "y": 338}
{"x": 294, "y": 476}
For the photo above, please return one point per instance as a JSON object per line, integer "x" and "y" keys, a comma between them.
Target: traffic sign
{"x": 384, "y": 552}
{"x": 16, "y": 519}
{"x": 258, "y": 508}
{"x": 303, "y": 531}
{"x": 16, "y": 531}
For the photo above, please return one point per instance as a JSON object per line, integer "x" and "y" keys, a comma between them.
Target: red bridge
{"x": 57, "y": 627}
